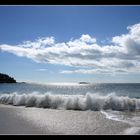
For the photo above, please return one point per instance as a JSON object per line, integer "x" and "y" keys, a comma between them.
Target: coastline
{"x": 31, "y": 120}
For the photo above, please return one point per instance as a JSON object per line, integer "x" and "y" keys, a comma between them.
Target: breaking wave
{"x": 89, "y": 101}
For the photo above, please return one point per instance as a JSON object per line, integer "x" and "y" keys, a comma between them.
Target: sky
{"x": 70, "y": 43}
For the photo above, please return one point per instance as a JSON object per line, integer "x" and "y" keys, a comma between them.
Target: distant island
{"x": 84, "y": 83}
{"x": 4, "y": 78}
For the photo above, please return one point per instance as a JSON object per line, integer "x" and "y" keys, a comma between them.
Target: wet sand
{"x": 31, "y": 120}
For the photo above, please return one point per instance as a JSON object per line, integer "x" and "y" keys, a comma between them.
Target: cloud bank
{"x": 122, "y": 56}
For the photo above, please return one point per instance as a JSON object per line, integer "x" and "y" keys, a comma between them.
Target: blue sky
{"x": 68, "y": 29}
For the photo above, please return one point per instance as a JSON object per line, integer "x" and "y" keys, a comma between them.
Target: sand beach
{"x": 32, "y": 120}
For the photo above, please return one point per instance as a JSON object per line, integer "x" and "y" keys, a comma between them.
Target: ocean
{"x": 117, "y": 101}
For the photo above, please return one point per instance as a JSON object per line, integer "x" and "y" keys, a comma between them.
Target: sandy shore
{"x": 31, "y": 120}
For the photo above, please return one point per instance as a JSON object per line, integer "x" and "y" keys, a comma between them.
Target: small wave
{"x": 89, "y": 101}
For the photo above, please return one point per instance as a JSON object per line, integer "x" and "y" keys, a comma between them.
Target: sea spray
{"x": 89, "y": 101}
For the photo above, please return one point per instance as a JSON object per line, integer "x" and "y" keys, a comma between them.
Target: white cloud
{"x": 94, "y": 71}
{"x": 41, "y": 69}
{"x": 123, "y": 55}
{"x": 86, "y": 38}
{"x": 84, "y": 71}
{"x": 130, "y": 41}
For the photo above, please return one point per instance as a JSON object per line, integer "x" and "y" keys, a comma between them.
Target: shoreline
{"x": 31, "y": 120}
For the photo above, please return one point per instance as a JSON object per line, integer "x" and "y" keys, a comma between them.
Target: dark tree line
{"x": 4, "y": 78}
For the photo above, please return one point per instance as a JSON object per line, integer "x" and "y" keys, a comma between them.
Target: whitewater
{"x": 89, "y": 101}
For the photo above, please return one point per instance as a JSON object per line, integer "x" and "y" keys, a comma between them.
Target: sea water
{"x": 117, "y": 101}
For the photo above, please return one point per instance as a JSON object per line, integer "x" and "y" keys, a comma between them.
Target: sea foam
{"x": 89, "y": 101}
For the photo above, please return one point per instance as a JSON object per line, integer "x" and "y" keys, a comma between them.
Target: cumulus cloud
{"x": 130, "y": 41}
{"x": 122, "y": 56}
{"x": 86, "y": 38}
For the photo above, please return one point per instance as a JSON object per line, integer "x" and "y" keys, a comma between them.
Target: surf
{"x": 89, "y": 101}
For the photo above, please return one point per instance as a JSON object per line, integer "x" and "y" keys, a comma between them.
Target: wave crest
{"x": 89, "y": 101}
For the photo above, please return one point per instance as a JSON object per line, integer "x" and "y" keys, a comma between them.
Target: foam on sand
{"x": 132, "y": 131}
